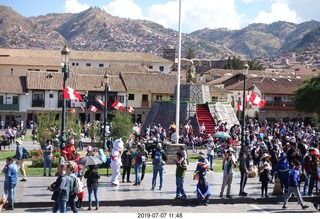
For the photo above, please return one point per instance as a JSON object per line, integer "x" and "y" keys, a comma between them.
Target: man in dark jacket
{"x": 126, "y": 160}
{"x": 244, "y": 159}
{"x": 61, "y": 190}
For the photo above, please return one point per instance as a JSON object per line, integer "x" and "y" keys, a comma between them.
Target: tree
{"x": 191, "y": 54}
{"x": 306, "y": 97}
{"x": 122, "y": 126}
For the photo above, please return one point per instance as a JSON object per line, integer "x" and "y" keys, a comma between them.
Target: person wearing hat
{"x": 202, "y": 166}
{"x": 294, "y": 185}
{"x": 228, "y": 165}
{"x": 265, "y": 168}
{"x": 20, "y": 159}
{"x": 281, "y": 170}
{"x": 210, "y": 151}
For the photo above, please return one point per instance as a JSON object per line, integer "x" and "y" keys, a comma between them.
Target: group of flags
{"x": 71, "y": 94}
{"x": 254, "y": 100}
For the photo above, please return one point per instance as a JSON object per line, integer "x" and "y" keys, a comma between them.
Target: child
{"x": 203, "y": 191}
{"x": 80, "y": 196}
{"x": 180, "y": 174}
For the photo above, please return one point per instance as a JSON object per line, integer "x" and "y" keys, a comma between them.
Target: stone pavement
{"x": 34, "y": 194}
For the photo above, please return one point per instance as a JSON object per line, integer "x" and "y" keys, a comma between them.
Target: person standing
{"x": 210, "y": 151}
{"x": 117, "y": 150}
{"x": 72, "y": 194}
{"x": 61, "y": 189}
{"x": 159, "y": 158}
{"x": 265, "y": 168}
{"x": 294, "y": 185}
{"x": 180, "y": 175}
{"x": 92, "y": 175}
{"x": 282, "y": 171}
{"x": 244, "y": 169}
{"x": 136, "y": 155}
{"x": 20, "y": 159}
{"x": 47, "y": 157}
{"x": 144, "y": 158}
{"x": 10, "y": 181}
{"x": 126, "y": 160}
{"x": 228, "y": 164}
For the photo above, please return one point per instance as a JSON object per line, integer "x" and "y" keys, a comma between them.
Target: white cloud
{"x": 196, "y": 14}
{"x": 73, "y": 6}
{"x": 280, "y": 11}
{"x": 124, "y": 9}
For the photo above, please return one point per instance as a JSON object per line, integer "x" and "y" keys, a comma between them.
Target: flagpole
{"x": 65, "y": 70}
{"x": 178, "y": 80}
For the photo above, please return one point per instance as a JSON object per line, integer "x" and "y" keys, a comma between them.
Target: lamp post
{"x": 65, "y": 69}
{"x": 105, "y": 119}
{"x": 86, "y": 93}
{"x": 245, "y": 69}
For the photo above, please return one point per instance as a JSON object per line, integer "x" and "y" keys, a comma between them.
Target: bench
{"x": 4, "y": 144}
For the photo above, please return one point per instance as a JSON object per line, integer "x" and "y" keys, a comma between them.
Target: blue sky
{"x": 196, "y": 14}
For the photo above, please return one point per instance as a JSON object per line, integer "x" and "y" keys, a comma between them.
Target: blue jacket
{"x": 294, "y": 178}
{"x": 11, "y": 174}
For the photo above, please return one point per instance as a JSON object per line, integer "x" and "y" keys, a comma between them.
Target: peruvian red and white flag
{"x": 70, "y": 94}
{"x": 256, "y": 101}
{"x": 117, "y": 105}
{"x": 239, "y": 107}
{"x": 130, "y": 109}
{"x": 103, "y": 104}
{"x": 93, "y": 108}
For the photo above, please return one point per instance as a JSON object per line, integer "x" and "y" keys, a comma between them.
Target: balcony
{"x": 145, "y": 103}
{"x": 37, "y": 103}
{"x": 9, "y": 107}
{"x": 278, "y": 105}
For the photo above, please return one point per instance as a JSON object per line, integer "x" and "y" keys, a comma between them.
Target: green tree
{"x": 47, "y": 126}
{"x": 306, "y": 97}
{"x": 122, "y": 125}
{"x": 191, "y": 54}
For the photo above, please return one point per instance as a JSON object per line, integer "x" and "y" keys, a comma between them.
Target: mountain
{"x": 96, "y": 30}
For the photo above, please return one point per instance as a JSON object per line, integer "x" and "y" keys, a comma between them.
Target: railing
{"x": 38, "y": 103}
{"x": 9, "y": 107}
{"x": 278, "y": 105}
{"x": 145, "y": 103}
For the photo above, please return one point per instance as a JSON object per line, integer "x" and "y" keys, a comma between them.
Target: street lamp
{"x": 65, "y": 69}
{"x": 86, "y": 93}
{"x": 106, "y": 88}
{"x": 245, "y": 69}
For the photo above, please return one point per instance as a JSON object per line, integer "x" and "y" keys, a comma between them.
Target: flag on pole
{"x": 130, "y": 109}
{"x": 117, "y": 105}
{"x": 256, "y": 101}
{"x": 239, "y": 107}
{"x": 70, "y": 94}
{"x": 93, "y": 108}
{"x": 103, "y": 104}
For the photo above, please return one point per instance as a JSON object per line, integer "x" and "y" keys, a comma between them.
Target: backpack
{"x": 77, "y": 188}
{"x": 25, "y": 153}
{"x": 157, "y": 160}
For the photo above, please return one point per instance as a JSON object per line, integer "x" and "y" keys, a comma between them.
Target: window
{"x": 159, "y": 97}
{"x": 50, "y": 95}
{"x": 144, "y": 96}
{"x": 77, "y": 64}
{"x": 51, "y": 70}
{"x": 214, "y": 99}
{"x": 38, "y": 96}
{"x": 121, "y": 99}
{"x": 33, "y": 69}
{"x": 15, "y": 100}
{"x": 101, "y": 65}
{"x": 150, "y": 67}
{"x": 1, "y": 99}
{"x": 161, "y": 68}
{"x": 88, "y": 64}
{"x": 131, "y": 97}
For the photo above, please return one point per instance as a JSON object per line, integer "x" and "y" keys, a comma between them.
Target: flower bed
{"x": 37, "y": 157}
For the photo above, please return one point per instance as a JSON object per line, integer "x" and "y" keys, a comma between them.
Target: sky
{"x": 195, "y": 14}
